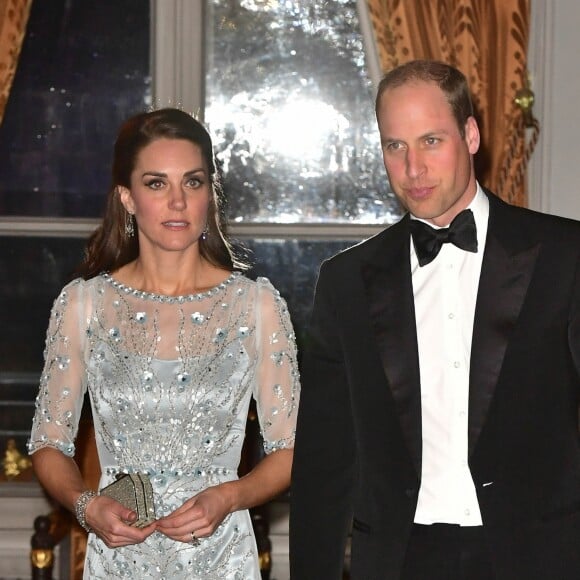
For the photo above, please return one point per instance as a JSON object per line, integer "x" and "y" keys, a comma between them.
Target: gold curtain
{"x": 13, "y": 19}
{"x": 487, "y": 40}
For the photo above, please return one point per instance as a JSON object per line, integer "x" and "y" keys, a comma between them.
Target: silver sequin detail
{"x": 197, "y": 318}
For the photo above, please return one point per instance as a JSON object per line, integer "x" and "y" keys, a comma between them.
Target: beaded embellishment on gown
{"x": 170, "y": 380}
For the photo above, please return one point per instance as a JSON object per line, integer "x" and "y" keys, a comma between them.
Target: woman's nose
{"x": 177, "y": 198}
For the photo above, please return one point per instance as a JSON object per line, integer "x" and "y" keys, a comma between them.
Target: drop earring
{"x": 129, "y": 227}
{"x": 205, "y": 233}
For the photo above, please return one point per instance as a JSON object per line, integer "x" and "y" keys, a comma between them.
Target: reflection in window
{"x": 290, "y": 104}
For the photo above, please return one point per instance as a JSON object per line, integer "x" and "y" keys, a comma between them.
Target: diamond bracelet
{"x": 81, "y": 507}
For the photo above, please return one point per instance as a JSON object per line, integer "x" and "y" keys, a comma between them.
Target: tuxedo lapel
{"x": 387, "y": 280}
{"x": 507, "y": 268}
{"x": 506, "y": 272}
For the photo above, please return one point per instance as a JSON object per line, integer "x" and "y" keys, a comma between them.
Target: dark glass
{"x": 83, "y": 69}
{"x": 292, "y": 266}
{"x": 32, "y": 272}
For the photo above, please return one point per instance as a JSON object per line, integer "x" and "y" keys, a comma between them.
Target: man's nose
{"x": 415, "y": 163}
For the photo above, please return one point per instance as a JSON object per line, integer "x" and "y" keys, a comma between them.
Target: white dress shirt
{"x": 445, "y": 291}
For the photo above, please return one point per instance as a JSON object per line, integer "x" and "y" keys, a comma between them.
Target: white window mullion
{"x": 371, "y": 51}
{"x": 177, "y": 49}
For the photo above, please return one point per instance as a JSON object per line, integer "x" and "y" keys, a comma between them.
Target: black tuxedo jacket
{"x": 357, "y": 462}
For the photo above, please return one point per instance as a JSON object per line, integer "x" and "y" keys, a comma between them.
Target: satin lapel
{"x": 504, "y": 281}
{"x": 387, "y": 279}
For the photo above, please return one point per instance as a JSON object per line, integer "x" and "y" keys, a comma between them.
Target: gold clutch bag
{"x": 134, "y": 491}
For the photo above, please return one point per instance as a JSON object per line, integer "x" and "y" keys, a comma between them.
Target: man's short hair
{"x": 449, "y": 79}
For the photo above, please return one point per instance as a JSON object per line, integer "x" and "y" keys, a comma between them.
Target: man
{"x": 440, "y": 387}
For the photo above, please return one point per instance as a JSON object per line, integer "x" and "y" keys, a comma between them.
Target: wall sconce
{"x": 14, "y": 462}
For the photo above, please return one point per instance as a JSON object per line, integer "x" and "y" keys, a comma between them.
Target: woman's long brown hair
{"x": 109, "y": 247}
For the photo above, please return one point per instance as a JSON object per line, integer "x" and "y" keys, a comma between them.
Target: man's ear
{"x": 472, "y": 137}
{"x": 124, "y": 194}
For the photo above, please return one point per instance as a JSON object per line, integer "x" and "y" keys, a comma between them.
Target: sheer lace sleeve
{"x": 277, "y": 388}
{"x": 62, "y": 383}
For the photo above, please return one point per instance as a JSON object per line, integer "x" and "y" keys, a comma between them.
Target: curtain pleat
{"x": 487, "y": 40}
{"x": 13, "y": 19}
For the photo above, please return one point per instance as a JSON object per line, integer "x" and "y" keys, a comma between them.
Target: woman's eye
{"x": 155, "y": 184}
{"x": 194, "y": 182}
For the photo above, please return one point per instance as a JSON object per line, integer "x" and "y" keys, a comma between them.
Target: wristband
{"x": 81, "y": 507}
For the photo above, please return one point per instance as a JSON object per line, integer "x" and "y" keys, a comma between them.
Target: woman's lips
{"x": 175, "y": 224}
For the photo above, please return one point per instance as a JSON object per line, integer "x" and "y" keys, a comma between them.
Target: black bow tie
{"x": 428, "y": 240}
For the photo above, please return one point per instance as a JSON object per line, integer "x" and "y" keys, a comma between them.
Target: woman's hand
{"x": 199, "y": 516}
{"x": 111, "y": 522}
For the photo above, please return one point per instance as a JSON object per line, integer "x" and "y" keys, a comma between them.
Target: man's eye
{"x": 431, "y": 140}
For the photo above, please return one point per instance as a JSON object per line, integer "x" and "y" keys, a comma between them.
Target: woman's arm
{"x": 55, "y": 423}
{"x": 267, "y": 480}
{"x": 61, "y": 478}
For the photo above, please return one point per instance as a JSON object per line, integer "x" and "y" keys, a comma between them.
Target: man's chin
{"x": 423, "y": 211}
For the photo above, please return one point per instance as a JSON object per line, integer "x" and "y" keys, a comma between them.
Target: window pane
{"x": 32, "y": 272}
{"x": 290, "y": 105}
{"x": 84, "y": 68}
{"x": 292, "y": 266}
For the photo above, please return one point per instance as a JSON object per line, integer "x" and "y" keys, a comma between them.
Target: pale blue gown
{"x": 170, "y": 380}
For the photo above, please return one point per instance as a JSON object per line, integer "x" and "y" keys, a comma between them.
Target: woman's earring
{"x": 129, "y": 228}
{"x": 205, "y": 233}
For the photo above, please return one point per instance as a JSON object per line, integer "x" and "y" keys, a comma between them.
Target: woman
{"x": 171, "y": 341}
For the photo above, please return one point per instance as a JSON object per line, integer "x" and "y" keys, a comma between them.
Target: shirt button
{"x": 451, "y": 316}
{"x": 456, "y": 364}
{"x": 467, "y": 512}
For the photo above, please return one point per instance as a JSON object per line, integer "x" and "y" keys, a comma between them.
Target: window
{"x": 84, "y": 67}
{"x": 282, "y": 85}
{"x": 290, "y": 104}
